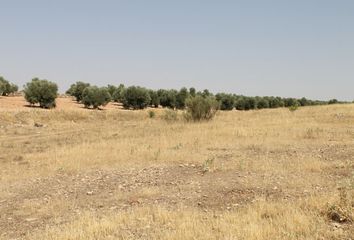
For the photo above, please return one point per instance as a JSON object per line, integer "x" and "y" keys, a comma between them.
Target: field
{"x": 73, "y": 173}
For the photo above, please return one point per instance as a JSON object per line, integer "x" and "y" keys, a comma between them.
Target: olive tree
{"x": 95, "y": 97}
{"x": 154, "y": 98}
{"x": 42, "y": 92}
{"x": 168, "y": 98}
{"x": 76, "y": 90}
{"x": 227, "y": 101}
{"x": 6, "y": 87}
{"x": 136, "y": 98}
{"x": 118, "y": 93}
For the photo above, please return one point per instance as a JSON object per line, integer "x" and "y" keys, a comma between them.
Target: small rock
{"x": 31, "y": 219}
{"x": 90, "y": 193}
{"x": 336, "y": 225}
{"x": 38, "y": 125}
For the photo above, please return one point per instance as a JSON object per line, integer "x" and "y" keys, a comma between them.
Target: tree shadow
{"x": 93, "y": 109}
{"x": 33, "y": 106}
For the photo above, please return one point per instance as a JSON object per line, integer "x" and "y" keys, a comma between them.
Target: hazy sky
{"x": 288, "y": 48}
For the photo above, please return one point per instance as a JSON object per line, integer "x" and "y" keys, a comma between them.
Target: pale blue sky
{"x": 265, "y": 47}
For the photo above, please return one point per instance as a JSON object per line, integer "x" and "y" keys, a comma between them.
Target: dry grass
{"x": 268, "y": 174}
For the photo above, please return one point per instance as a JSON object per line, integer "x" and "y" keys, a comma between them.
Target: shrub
{"x": 170, "y": 115}
{"x": 95, "y": 97}
{"x": 136, "y": 98}
{"x": 43, "y": 92}
{"x": 6, "y": 87}
{"x": 294, "y": 107}
{"x": 151, "y": 114}
{"x": 76, "y": 90}
{"x": 201, "y": 108}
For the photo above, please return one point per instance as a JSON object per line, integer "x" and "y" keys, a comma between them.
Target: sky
{"x": 302, "y": 48}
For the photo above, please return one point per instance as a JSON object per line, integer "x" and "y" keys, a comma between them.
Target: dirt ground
{"x": 72, "y": 173}
{"x": 63, "y": 103}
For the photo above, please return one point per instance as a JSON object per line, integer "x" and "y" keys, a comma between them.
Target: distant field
{"x": 73, "y": 173}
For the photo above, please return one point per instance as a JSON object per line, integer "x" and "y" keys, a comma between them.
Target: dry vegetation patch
{"x": 71, "y": 173}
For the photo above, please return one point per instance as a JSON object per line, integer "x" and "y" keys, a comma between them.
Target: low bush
{"x": 170, "y": 115}
{"x": 201, "y": 108}
{"x": 294, "y": 107}
{"x": 151, "y": 114}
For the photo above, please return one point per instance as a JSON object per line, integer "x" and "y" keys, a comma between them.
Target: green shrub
{"x": 151, "y": 114}
{"x": 76, "y": 90}
{"x": 136, "y": 98}
{"x": 294, "y": 107}
{"x": 95, "y": 97}
{"x": 43, "y": 92}
{"x": 201, "y": 108}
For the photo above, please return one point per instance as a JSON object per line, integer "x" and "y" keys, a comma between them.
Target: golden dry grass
{"x": 116, "y": 174}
